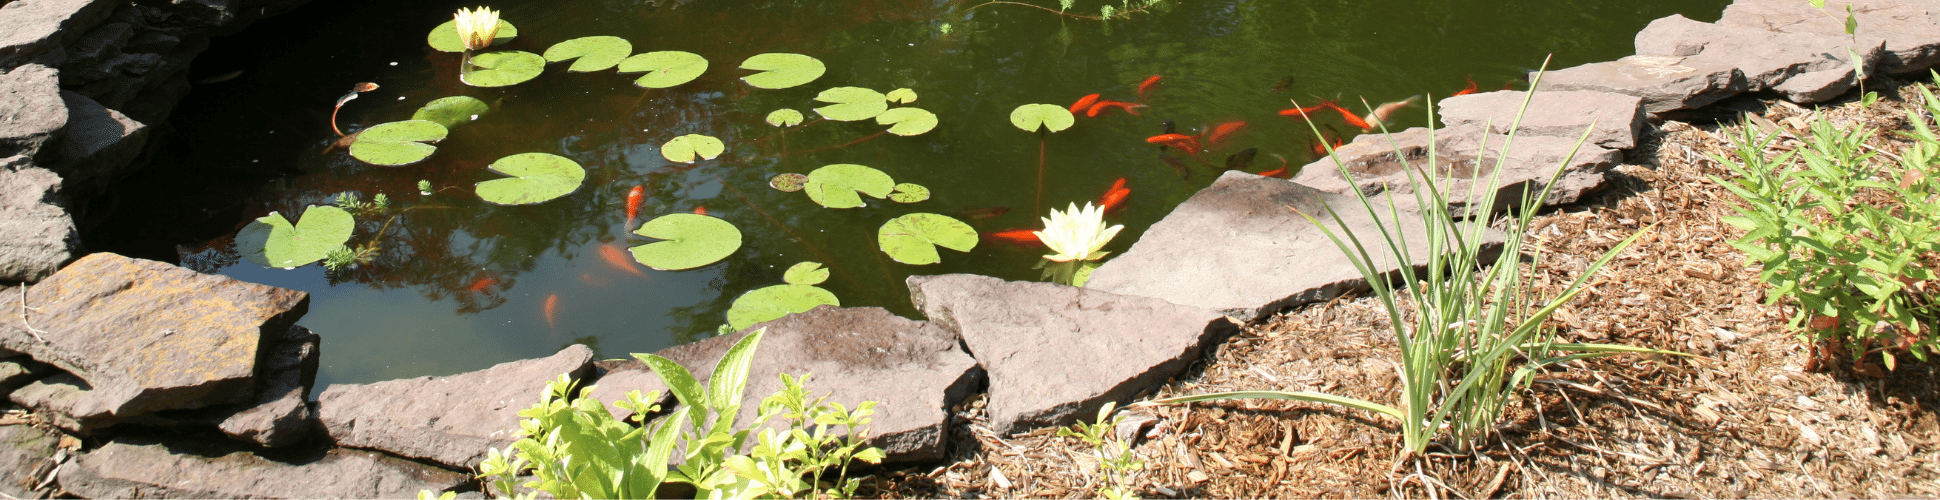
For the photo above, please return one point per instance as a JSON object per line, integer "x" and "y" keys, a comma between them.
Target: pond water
{"x": 461, "y": 284}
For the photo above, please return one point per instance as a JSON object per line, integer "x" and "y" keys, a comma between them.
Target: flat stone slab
{"x": 1239, "y": 247}
{"x": 282, "y": 415}
{"x": 1911, "y": 28}
{"x": 147, "y": 336}
{"x": 912, "y": 369}
{"x": 40, "y": 235}
{"x": 146, "y": 467}
{"x": 1617, "y": 118}
{"x": 1054, "y": 353}
{"x": 450, "y": 420}
{"x": 1662, "y": 83}
{"x": 32, "y": 115}
{"x": 26, "y": 456}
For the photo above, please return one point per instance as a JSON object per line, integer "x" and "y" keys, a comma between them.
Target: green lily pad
{"x": 683, "y": 149}
{"x": 1050, "y": 116}
{"x": 912, "y": 239}
{"x": 788, "y": 183}
{"x": 907, "y": 121}
{"x": 665, "y": 68}
{"x": 397, "y": 143}
{"x": 785, "y": 117}
{"x": 444, "y": 38}
{"x": 595, "y": 53}
{"x": 503, "y": 68}
{"x": 272, "y": 241}
{"x": 806, "y": 273}
{"x": 780, "y": 71}
{"x": 851, "y": 104}
{"x": 692, "y": 240}
{"x": 901, "y": 96}
{"x": 909, "y": 193}
{"x": 835, "y": 186}
{"x": 770, "y": 303}
{"x": 536, "y": 178}
{"x": 452, "y": 111}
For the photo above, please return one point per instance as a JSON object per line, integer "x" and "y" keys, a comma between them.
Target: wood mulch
{"x": 1742, "y": 418}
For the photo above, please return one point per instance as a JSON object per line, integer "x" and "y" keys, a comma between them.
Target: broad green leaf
{"x": 835, "y": 186}
{"x": 397, "y": 143}
{"x": 806, "y": 273}
{"x": 909, "y": 193}
{"x": 1050, "y": 116}
{"x": 692, "y": 240}
{"x": 444, "y": 38}
{"x": 665, "y": 68}
{"x": 452, "y": 111}
{"x": 788, "y": 183}
{"x": 785, "y": 118}
{"x": 907, "y": 121}
{"x": 912, "y": 239}
{"x": 683, "y": 149}
{"x": 503, "y": 68}
{"x": 687, "y": 390}
{"x": 768, "y": 303}
{"x": 536, "y": 177}
{"x": 272, "y": 242}
{"x": 851, "y": 104}
{"x": 595, "y": 53}
{"x": 780, "y": 71}
{"x": 730, "y": 376}
{"x": 901, "y": 96}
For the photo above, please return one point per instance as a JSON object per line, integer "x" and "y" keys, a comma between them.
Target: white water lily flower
{"x": 477, "y": 27}
{"x": 1076, "y": 234}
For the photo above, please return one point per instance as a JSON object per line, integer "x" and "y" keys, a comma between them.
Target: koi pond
{"x": 443, "y": 281}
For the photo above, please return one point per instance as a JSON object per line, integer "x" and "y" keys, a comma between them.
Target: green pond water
{"x": 240, "y": 148}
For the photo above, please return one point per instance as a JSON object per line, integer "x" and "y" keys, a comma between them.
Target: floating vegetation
{"x": 452, "y": 111}
{"x": 1031, "y": 117}
{"x": 536, "y": 178}
{"x": 444, "y": 38}
{"x": 909, "y": 193}
{"x": 901, "y": 96}
{"x": 773, "y": 302}
{"x": 838, "y": 185}
{"x": 271, "y": 241}
{"x": 502, "y": 68}
{"x": 594, "y": 53}
{"x": 691, "y": 240}
{"x": 685, "y": 148}
{"x": 780, "y": 71}
{"x": 665, "y": 68}
{"x": 397, "y": 143}
{"x": 912, "y": 239}
{"x": 907, "y": 121}
{"x": 785, "y": 117}
{"x": 788, "y": 183}
{"x": 851, "y": 104}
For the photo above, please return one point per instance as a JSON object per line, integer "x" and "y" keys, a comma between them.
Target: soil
{"x": 1742, "y": 417}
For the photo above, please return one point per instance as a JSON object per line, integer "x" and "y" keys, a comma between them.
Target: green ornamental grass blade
{"x": 835, "y": 186}
{"x": 444, "y": 38}
{"x": 909, "y": 193}
{"x": 397, "y": 143}
{"x": 785, "y": 118}
{"x": 536, "y": 178}
{"x": 595, "y": 53}
{"x": 665, "y": 68}
{"x": 692, "y": 240}
{"x": 907, "y": 121}
{"x": 1050, "y": 116}
{"x": 901, "y": 96}
{"x": 272, "y": 241}
{"x": 806, "y": 273}
{"x": 452, "y": 111}
{"x": 730, "y": 376}
{"x": 788, "y": 183}
{"x": 503, "y": 68}
{"x": 912, "y": 239}
{"x": 851, "y": 104}
{"x": 768, "y": 303}
{"x": 683, "y": 149}
{"x": 780, "y": 71}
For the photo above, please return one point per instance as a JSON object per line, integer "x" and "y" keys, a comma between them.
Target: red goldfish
{"x": 634, "y": 197}
{"x": 700, "y": 210}
{"x": 619, "y": 259}
{"x": 484, "y": 283}
{"x": 1083, "y": 103}
{"x": 1145, "y": 87}
{"x": 1470, "y": 89}
{"x": 1281, "y": 172}
{"x": 1019, "y": 236}
{"x": 1186, "y": 142}
{"x": 1222, "y": 130}
{"x": 1114, "y": 200}
{"x": 1117, "y": 185}
{"x": 1102, "y": 105}
{"x": 552, "y": 311}
{"x": 1347, "y": 115}
{"x": 1381, "y": 113}
{"x": 1306, "y": 110}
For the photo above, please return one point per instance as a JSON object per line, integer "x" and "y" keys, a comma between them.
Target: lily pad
{"x": 835, "y": 186}
{"x": 785, "y": 117}
{"x": 444, "y": 38}
{"x": 595, "y": 53}
{"x": 503, "y": 68}
{"x": 769, "y": 303}
{"x": 907, "y": 121}
{"x": 788, "y": 183}
{"x": 806, "y": 273}
{"x": 901, "y": 96}
{"x": 692, "y": 240}
{"x": 780, "y": 71}
{"x": 1050, "y": 116}
{"x": 909, "y": 193}
{"x": 452, "y": 111}
{"x": 272, "y": 241}
{"x": 536, "y": 178}
{"x": 851, "y": 104}
{"x": 665, "y": 68}
{"x": 912, "y": 239}
{"x": 683, "y": 149}
{"x": 397, "y": 143}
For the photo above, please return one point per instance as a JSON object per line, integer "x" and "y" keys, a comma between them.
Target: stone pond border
{"x": 179, "y": 384}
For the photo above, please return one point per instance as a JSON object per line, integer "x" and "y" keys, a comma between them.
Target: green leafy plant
{"x": 535, "y": 178}
{"x": 1850, "y": 240}
{"x": 766, "y": 303}
{"x": 1858, "y": 66}
{"x": 1116, "y": 460}
{"x": 271, "y": 241}
{"x": 912, "y": 239}
{"x": 692, "y": 240}
{"x": 787, "y": 463}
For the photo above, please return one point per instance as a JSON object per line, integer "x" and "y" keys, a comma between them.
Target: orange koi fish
{"x": 618, "y": 258}
{"x": 1329, "y": 137}
{"x": 1222, "y": 130}
{"x": 634, "y": 198}
{"x": 1347, "y": 115}
{"x": 1145, "y": 87}
{"x": 1117, "y": 185}
{"x": 484, "y": 283}
{"x": 552, "y": 311}
{"x": 1306, "y": 110}
{"x": 700, "y": 210}
{"x": 1186, "y": 142}
{"x": 1083, "y": 103}
{"x": 1018, "y": 236}
{"x": 1103, "y": 104}
{"x": 1280, "y": 173}
{"x": 1470, "y": 89}
{"x": 1381, "y": 113}
{"x": 1114, "y": 200}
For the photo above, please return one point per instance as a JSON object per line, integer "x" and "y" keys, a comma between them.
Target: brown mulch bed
{"x": 1742, "y": 418}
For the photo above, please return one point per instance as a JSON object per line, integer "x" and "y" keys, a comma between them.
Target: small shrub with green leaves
{"x": 1116, "y": 460}
{"x": 1851, "y": 239}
